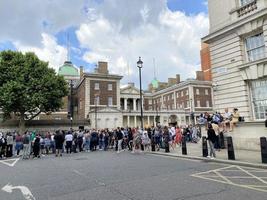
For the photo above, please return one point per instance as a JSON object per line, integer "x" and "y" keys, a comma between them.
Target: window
{"x": 168, "y": 98}
{"x": 97, "y": 100}
{"x": 186, "y": 92}
{"x": 207, "y": 104}
{"x": 110, "y": 87}
{"x": 172, "y": 96}
{"x": 187, "y": 104}
{"x": 182, "y": 93}
{"x": 177, "y": 94}
{"x": 197, "y": 91}
{"x": 149, "y": 101}
{"x": 206, "y": 92}
{"x": 259, "y": 98}
{"x": 198, "y": 103}
{"x": 164, "y": 98}
{"x": 183, "y": 105}
{"x": 96, "y": 86}
{"x": 245, "y": 2}
{"x": 255, "y": 47}
{"x": 110, "y": 101}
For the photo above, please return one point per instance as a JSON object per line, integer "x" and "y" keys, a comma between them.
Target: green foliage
{"x": 28, "y": 86}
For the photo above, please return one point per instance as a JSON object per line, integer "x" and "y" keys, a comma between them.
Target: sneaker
{"x": 208, "y": 157}
{"x": 212, "y": 158}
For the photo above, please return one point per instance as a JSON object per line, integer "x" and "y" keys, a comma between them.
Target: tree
{"x": 28, "y": 87}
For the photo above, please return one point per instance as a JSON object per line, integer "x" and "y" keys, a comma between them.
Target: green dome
{"x": 68, "y": 69}
{"x": 155, "y": 83}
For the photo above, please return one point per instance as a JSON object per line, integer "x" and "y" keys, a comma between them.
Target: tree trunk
{"x": 22, "y": 127}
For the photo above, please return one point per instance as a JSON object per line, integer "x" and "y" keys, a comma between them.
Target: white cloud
{"x": 172, "y": 38}
{"x": 50, "y": 51}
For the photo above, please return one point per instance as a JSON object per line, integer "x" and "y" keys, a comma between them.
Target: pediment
{"x": 130, "y": 90}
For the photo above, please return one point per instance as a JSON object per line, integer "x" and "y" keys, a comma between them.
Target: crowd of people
{"x": 36, "y": 144}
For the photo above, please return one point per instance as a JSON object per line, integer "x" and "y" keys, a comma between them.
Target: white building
{"x": 237, "y": 40}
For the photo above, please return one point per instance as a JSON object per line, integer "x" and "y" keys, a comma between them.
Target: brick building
{"x": 101, "y": 100}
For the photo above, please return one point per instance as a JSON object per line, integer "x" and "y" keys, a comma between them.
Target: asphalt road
{"x": 124, "y": 176}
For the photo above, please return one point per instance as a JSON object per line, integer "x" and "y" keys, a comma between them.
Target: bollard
{"x": 153, "y": 146}
{"x": 263, "y": 149}
{"x": 266, "y": 123}
{"x": 230, "y": 149}
{"x": 221, "y": 136}
{"x": 205, "y": 152}
{"x": 184, "y": 150}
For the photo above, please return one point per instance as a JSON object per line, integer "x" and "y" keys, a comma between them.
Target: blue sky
{"x": 109, "y": 31}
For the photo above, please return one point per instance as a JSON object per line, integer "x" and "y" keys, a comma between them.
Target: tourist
{"x": 211, "y": 139}
{"x": 59, "y": 140}
{"x": 36, "y": 147}
{"x": 26, "y": 146}
{"x": 145, "y": 140}
{"x": 9, "y": 147}
{"x": 119, "y": 135}
{"x": 69, "y": 140}
{"x": 19, "y": 145}
{"x": 80, "y": 140}
{"x": 166, "y": 139}
{"x": 87, "y": 141}
{"x": 47, "y": 143}
{"x": 235, "y": 119}
{"x": 226, "y": 119}
{"x": 178, "y": 136}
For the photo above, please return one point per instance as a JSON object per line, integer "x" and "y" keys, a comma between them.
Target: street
{"x": 111, "y": 176}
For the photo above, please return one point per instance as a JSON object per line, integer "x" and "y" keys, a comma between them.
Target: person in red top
{"x": 178, "y": 135}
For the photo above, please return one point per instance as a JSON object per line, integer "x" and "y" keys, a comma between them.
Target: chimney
{"x": 131, "y": 84}
{"x": 200, "y": 75}
{"x": 178, "y": 78}
{"x": 171, "y": 81}
{"x": 81, "y": 72}
{"x": 102, "y": 67}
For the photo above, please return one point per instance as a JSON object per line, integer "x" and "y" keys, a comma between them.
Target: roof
{"x": 68, "y": 69}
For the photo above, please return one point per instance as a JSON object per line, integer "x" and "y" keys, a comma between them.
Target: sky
{"x": 165, "y": 33}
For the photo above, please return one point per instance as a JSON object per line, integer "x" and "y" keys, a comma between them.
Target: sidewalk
{"x": 194, "y": 151}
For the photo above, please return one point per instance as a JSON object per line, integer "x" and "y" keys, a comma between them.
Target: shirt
{"x": 69, "y": 137}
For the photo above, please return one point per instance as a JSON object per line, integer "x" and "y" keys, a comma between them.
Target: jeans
{"x": 100, "y": 143}
{"x": 26, "y": 151}
{"x": 87, "y": 145}
{"x": 68, "y": 146}
{"x": 212, "y": 149}
{"x": 119, "y": 145}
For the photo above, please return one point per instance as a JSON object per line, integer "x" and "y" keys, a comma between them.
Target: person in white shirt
{"x": 69, "y": 139}
{"x": 226, "y": 119}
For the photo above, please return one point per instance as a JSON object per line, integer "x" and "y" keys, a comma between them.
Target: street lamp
{"x": 71, "y": 123}
{"x": 140, "y": 65}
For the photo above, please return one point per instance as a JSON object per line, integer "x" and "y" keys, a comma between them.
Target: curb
{"x": 230, "y": 162}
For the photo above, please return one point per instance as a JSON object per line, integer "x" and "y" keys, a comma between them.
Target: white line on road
{"x": 24, "y": 190}
{"x": 7, "y": 162}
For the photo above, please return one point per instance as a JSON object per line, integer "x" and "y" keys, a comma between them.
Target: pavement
{"x": 125, "y": 176}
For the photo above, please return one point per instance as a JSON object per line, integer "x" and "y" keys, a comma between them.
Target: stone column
{"x": 135, "y": 121}
{"x": 125, "y": 103}
{"x": 148, "y": 121}
{"x": 134, "y": 104}
{"x": 174, "y": 100}
{"x": 128, "y": 121}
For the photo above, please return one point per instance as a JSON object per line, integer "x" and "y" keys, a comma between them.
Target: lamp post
{"x": 96, "y": 97}
{"x": 140, "y": 65}
{"x": 71, "y": 123}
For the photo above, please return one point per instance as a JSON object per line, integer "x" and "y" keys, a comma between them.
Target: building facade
{"x": 101, "y": 100}
{"x": 237, "y": 42}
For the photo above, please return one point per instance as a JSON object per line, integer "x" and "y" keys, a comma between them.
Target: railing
{"x": 247, "y": 8}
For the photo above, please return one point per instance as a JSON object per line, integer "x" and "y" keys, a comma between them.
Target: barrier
{"x": 263, "y": 143}
{"x": 230, "y": 149}
{"x": 205, "y": 152}
{"x": 184, "y": 150}
{"x": 221, "y": 140}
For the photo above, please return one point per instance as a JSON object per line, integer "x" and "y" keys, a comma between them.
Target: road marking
{"x": 215, "y": 175}
{"x": 24, "y": 190}
{"x": 7, "y": 162}
{"x": 77, "y": 172}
